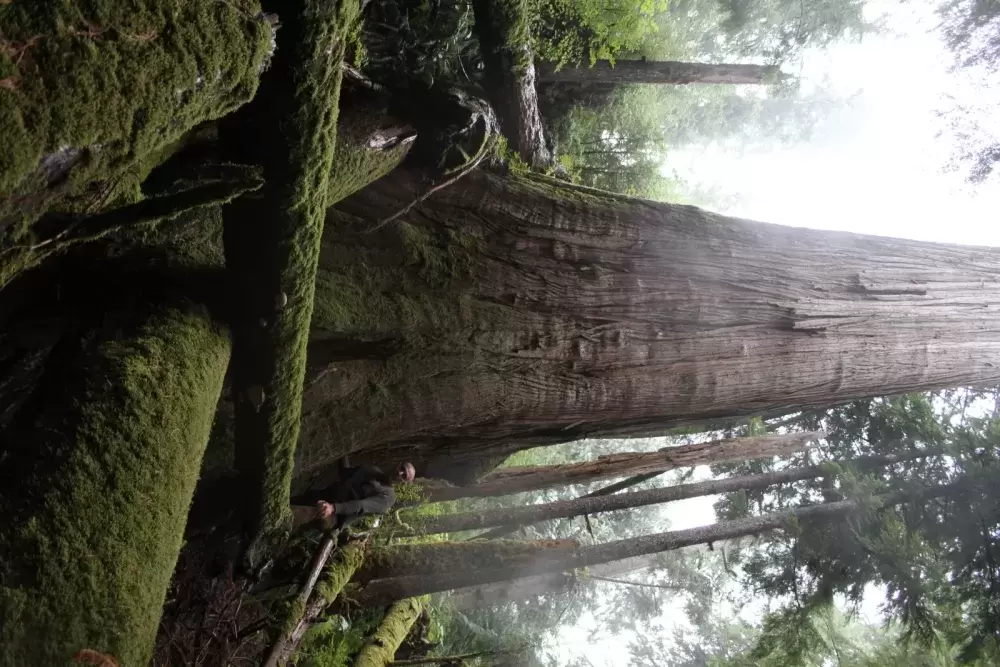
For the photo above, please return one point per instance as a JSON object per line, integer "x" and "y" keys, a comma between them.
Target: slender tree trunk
{"x": 531, "y": 587}
{"x": 657, "y": 72}
{"x": 380, "y": 648}
{"x": 396, "y": 588}
{"x": 523, "y": 515}
{"x": 441, "y": 557}
{"x": 535, "y": 312}
{"x": 510, "y": 76}
{"x": 534, "y": 586}
{"x": 505, "y": 481}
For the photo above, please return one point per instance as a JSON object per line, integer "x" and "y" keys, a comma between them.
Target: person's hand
{"x": 324, "y": 509}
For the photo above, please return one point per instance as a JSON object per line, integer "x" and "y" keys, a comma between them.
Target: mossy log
{"x": 96, "y": 478}
{"x": 93, "y": 95}
{"x": 338, "y": 571}
{"x": 445, "y": 557}
{"x": 272, "y": 244}
{"x": 381, "y": 647}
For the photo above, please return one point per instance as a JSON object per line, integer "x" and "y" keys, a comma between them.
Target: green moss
{"x": 99, "y": 91}
{"x": 95, "y": 498}
{"x": 355, "y": 162}
{"x": 329, "y": 644}
{"x": 381, "y": 647}
{"x": 505, "y": 31}
{"x": 273, "y": 251}
{"x": 343, "y": 564}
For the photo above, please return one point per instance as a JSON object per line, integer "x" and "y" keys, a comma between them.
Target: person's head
{"x": 406, "y": 472}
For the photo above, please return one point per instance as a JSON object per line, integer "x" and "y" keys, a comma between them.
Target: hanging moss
{"x": 96, "y": 490}
{"x": 381, "y": 647}
{"x": 93, "y": 94}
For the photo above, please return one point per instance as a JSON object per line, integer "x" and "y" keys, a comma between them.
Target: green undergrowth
{"x": 95, "y": 497}
{"x": 93, "y": 94}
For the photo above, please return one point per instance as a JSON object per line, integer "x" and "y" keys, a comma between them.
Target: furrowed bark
{"x": 535, "y": 312}
{"x": 272, "y": 244}
{"x": 406, "y": 586}
{"x": 514, "y": 517}
{"x": 624, "y": 72}
{"x": 504, "y": 481}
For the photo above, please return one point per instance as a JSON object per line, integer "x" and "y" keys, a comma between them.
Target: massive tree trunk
{"x": 381, "y": 590}
{"x": 533, "y": 312}
{"x": 622, "y": 72}
{"x": 442, "y": 557}
{"x": 513, "y": 517}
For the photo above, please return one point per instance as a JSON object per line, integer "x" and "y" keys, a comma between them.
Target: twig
{"x": 666, "y": 587}
{"x": 287, "y": 639}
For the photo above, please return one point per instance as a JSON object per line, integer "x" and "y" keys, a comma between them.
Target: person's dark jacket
{"x": 358, "y": 491}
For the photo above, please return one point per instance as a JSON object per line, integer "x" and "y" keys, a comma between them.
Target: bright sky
{"x": 877, "y": 167}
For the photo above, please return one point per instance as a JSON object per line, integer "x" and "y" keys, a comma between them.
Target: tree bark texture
{"x": 513, "y": 517}
{"x": 535, "y": 312}
{"x": 502, "y": 27}
{"x": 406, "y": 586}
{"x": 505, "y": 481}
{"x": 624, "y": 72}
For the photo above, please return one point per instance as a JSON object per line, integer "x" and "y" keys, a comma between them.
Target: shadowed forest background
{"x": 242, "y": 240}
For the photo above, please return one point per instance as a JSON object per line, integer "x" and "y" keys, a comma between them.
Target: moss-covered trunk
{"x": 444, "y": 557}
{"x": 95, "y": 482}
{"x": 380, "y": 648}
{"x": 531, "y": 312}
{"x": 625, "y": 72}
{"x": 93, "y": 95}
{"x": 272, "y": 248}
